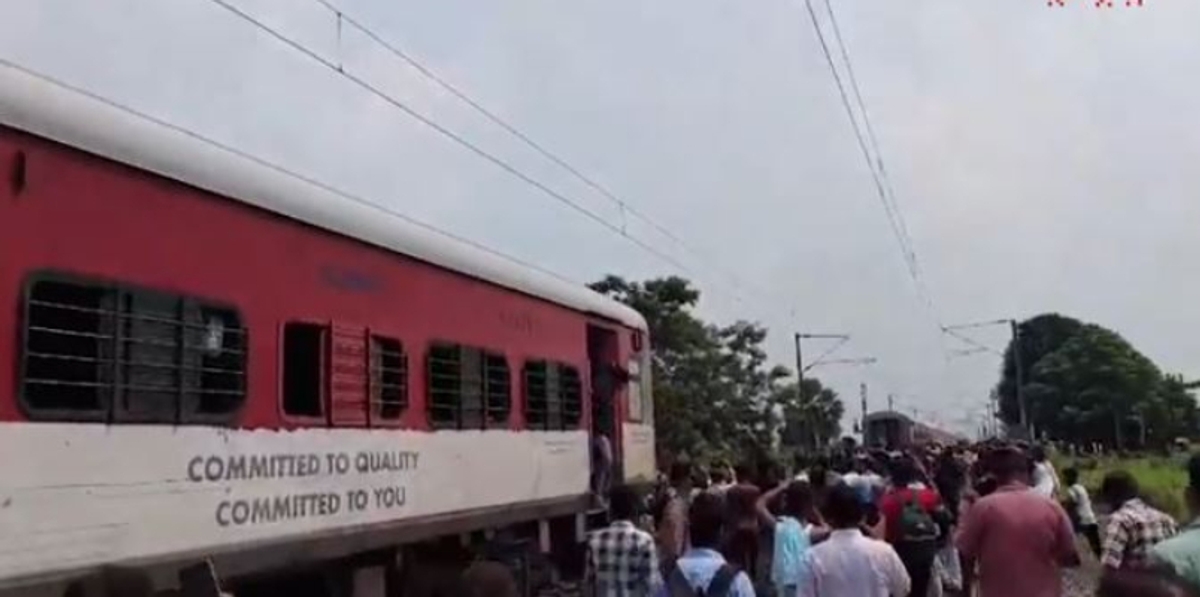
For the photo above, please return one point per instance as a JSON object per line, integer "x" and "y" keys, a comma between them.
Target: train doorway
{"x": 603, "y": 356}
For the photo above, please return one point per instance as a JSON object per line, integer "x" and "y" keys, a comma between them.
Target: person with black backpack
{"x": 916, "y": 523}
{"x": 702, "y": 571}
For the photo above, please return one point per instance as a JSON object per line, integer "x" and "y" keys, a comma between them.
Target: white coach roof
{"x": 47, "y": 108}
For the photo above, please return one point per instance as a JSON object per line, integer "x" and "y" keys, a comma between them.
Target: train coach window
{"x": 303, "y": 368}
{"x": 469, "y": 388}
{"x": 389, "y": 378}
{"x": 498, "y": 388}
{"x": 571, "y": 390}
{"x": 99, "y": 351}
{"x": 553, "y": 396}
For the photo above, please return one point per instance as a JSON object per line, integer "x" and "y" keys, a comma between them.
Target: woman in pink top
{"x": 1020, "y": 540}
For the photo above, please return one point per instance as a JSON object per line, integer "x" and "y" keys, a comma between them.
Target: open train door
{"x": 603, "y": 357}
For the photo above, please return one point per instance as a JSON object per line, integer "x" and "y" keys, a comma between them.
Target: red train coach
{"x": 207, "y": 357}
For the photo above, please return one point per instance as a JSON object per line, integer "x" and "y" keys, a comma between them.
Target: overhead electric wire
{"x": 878, "y": 169}
{"x": 889, "y": 190}
{"x": 499, "y": 162}
{"x": 866, "y": 116}
{"x": 491, "y": 115}
{"x": 892, "y": 217}
{"x": 496, "y": 119}
{"x": 978, "y": 324}
{"x": 820, "y": 358}
{"x": 453, "y": 136}
{"x": 972, "y": 342}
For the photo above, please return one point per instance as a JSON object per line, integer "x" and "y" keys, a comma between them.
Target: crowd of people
{"x": 993, "y": 519}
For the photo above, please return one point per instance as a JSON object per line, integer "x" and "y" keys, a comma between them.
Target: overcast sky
{"x": 1044, "y": 158}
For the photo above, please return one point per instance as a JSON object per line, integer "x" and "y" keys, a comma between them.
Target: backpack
{"x": 720, "y": 585}
{"x": 916, "y": 523}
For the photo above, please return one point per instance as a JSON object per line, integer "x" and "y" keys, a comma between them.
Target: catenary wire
{"x": 870, "y": 130}
{"x": 491, "y": 115}
{"x": 497, "y": 161}
{"x": 881, "y": 167}
{"x": 862, "y": 144}
{"x": 878, "y": 169}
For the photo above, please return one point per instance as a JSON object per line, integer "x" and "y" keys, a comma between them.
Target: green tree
{"x": 1084, "y": 383}
{"x": 1039, "y": 337}
{"x": 810, "y": 419}
{"x": 713, "y": 387}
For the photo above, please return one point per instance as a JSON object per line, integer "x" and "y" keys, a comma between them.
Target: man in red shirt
{"x": 915, "y": 522}
{"x": 1020, "y": 539}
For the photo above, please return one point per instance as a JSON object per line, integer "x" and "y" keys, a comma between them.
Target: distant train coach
{"x": 894, "y": 431}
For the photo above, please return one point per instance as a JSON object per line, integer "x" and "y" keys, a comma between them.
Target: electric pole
{"x": 800, "y": 368}
{"x": 862, "y": 390}
{"x": 1020, "y": 366}
{"x": 994, "y": 412}
{"x": 820, "y": 360}
{"x": 1018, "y": 362}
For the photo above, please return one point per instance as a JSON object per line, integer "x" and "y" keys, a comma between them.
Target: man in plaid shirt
{"x": 622, "y": 560}
{"x": 1133, "y": 527}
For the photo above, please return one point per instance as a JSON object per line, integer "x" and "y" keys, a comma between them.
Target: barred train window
{"x": 389, "y": 378}
{"x": 469, "y": 388}
{"x": 98, "y": 351}
{"x": 553, "y": 396}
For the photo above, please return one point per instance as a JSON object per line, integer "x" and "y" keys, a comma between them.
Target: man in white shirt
{"x": 849, "y": 564}
{"x": 1045, "y": 478}
{"x": 1083, "y": 516}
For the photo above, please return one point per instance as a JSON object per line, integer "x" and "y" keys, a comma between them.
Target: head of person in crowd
{"x": 719, "y": 475}
{"x": 680, "y": 476}
{"x": 487, "y": 579}
{"x": 1037, "y": 454}
{"x": 1117, "y": 488}
{"x": 1143, "y": 583}
{"x": 1009, "y": 465}
{"x": 773, "y": 474}
{"x": 800, "y": 463}
{"x": 948, "y": 459}
{"x": 843, "y": 510}
{"x": 905, "y": 472}
{"x": 744, "y": 473}
{"x": 818, "y": 476}
{"x": 1070, "y": 476}
{"x": 849, "y": 445}
{"x": 880, "y": 462}
{"x": 798, "y": 500}
{"x": 700, "y": 479}
{"x": 624, "y": 503}
{"x": 706, "y": 519}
